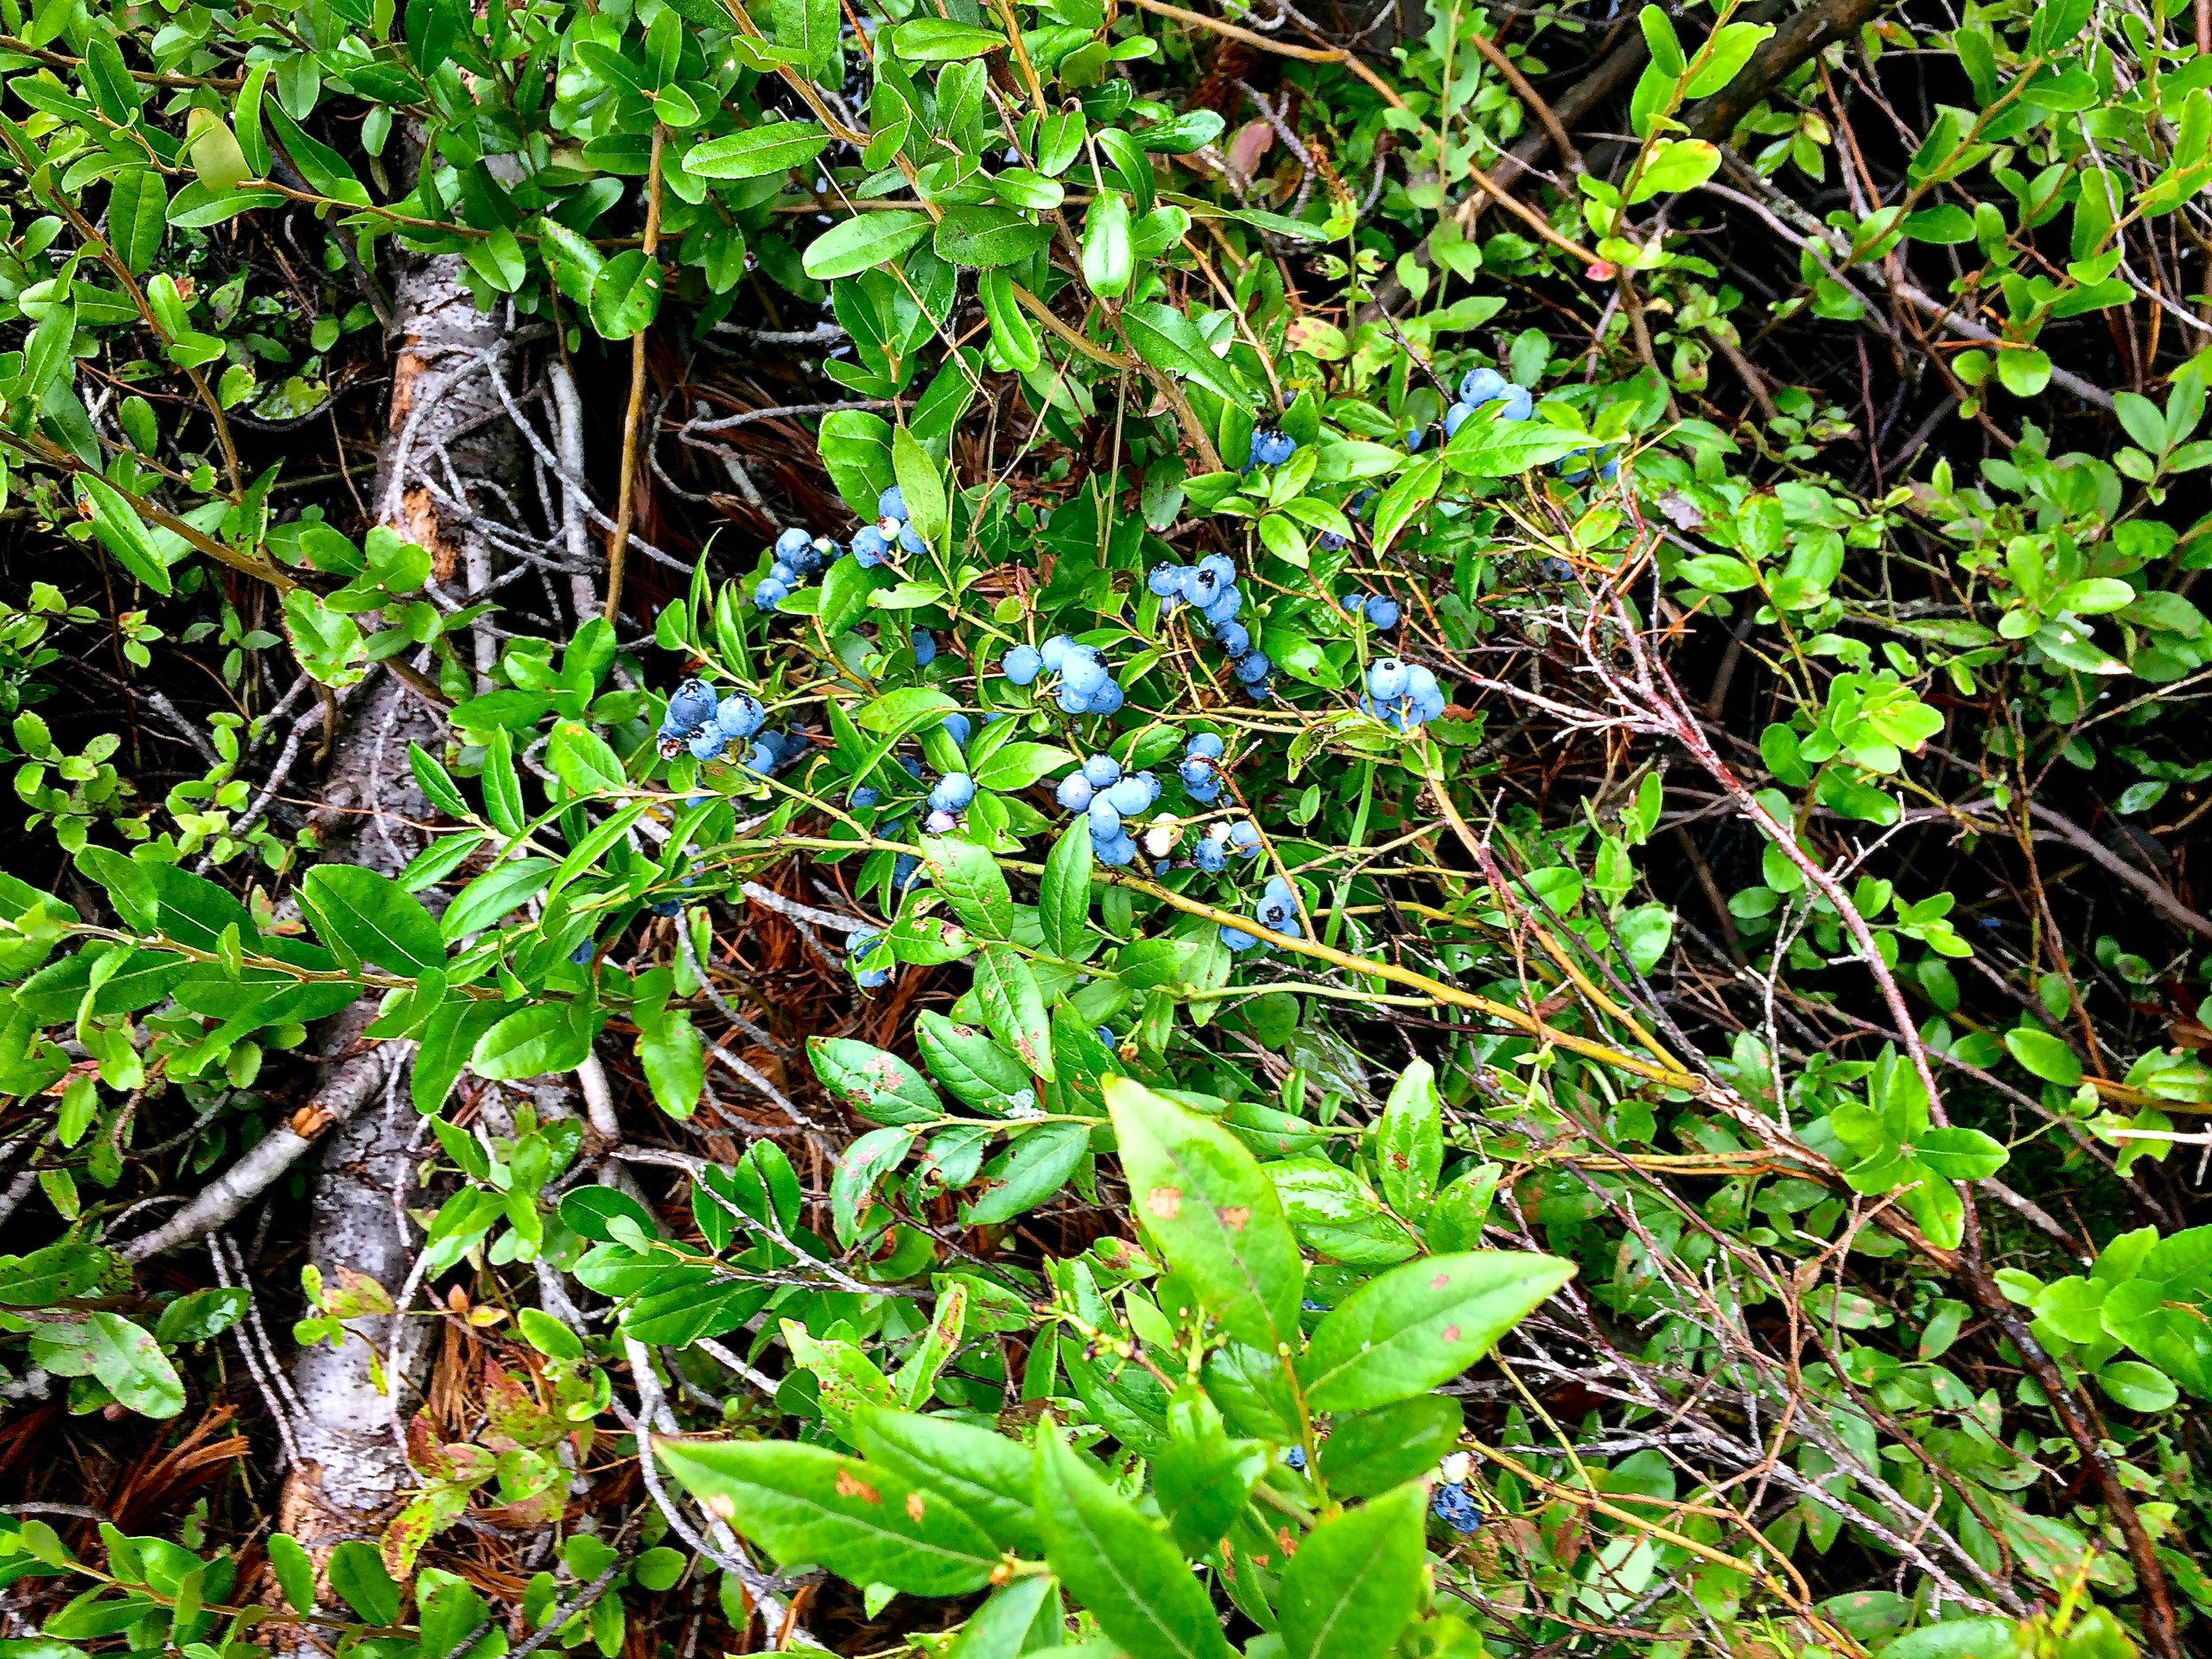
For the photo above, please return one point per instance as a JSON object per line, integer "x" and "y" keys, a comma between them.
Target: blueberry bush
{"x": 1088, "y": 828}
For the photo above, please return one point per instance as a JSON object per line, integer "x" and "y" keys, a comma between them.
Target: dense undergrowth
{"x": 1106, "y": 829}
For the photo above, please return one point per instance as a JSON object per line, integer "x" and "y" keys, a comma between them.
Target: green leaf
{"x": 1409, "y": 1142}
{"x": 2094, "y": 596}
{"x": 1355, "y": 1579}
{"x": 116, "y": 522}
{"x": 1674, "y": 165}
{"x": 138, "y": 217}
{"x": 863, "y": 242}
{"x": 1109, "y": 260}
{"x": 357, "y": 1573}
{"x": 909, "y": 708}
{"x": 757, "y": 151}
{"x": 2044, "y": 1056}
{"x": 865, "y": 1524}
{"x": 494, "y": 894}
{"x": 1372, "y": 1451}
{"x": 545, "y": 1037}
{"x": 1001, "y": 1627}
{"x": 582, "y": 760}
{"x": 1119, "y": 1564}
{"x": 1943, "y": 224}
{"x": 1063, "y": 898}
{"x": 674, "y": 1058}
{"x": 1202, "y": 1197}
{"x": 1405, "y": 499}
{"x": 1421, "y": 1323}
{"x": 921, "y": 480}
{"x": 372, "y": 918}
{"x": 1015, "y": 766}
{"x": 51, "y": 1274}
{"x": 625, "y": 295}
{"x": 940, "y": 41}
{"x": 1014, "y": 1008}
{"x": 972, "y": 884}
{"x": 2138, "y": 1387}
{"x": 988, "y": 236}
{"x": 1960, "y": 1155}
{"x": 294, "y": 1570}
{"x": 1170, "y": 342}
{"x": 1487, "y": 447}
{"x": 201, "y": 1314}
{"x": 880, "y": 1086}
{"x": 125, "y": 1357}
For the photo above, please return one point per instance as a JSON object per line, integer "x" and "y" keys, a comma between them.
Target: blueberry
{"x": 692, "y": 704}
{"x": 910, "y": 539}
{"x": 583, "y": 953}
{"x": 1083, "y": 675}
{"x": 666, "y": 907}
{"x": 1382, "y": 611}
{"x": 1253, "y": 666}
{"x": 1520, "y": 403}
{"x": 1117, "y": 850}
{"x": 891, "y": 503}
{"x": 1205, "y": 793}
{"x": 1235, "y": 638}
{"x": 1105, "y": 1034}
{"x": 940, "y": 822}
{"x": 706, "y": 743}
{"x": 911, "y": 767}
{"x": 1204, "y": 743}
{"x": 1556, "y": 570}
{"x": 1166, "y": 581}
{"x": 905, "y": 871}
{"x": 1453, "y": 1506}
{"x": 952, "y": 792}
{"x": 1272, "y": 448}
{"x": 1196, "y": 771}
{"x": 1456, "y": 417}
{"x": 1244, "y": 836}
{"x": 1329, "y": 541}
{"x": 1237, "y": 938}
{"x": 1055, "y": 653}
{"x": 1074, "y": 701}
{"x": 1075, "y": 792}
{"x": 783, "y": 574}
{"x": 924, "y": 648}
{"x": 739, "y": 715}
{"x": 761, "y": 758}
{"x": 1108, "y": 699}
{"x": 1022, "y": 664}
{"x": 1209, "y": 857}
{"x": 864, "y": 796}
{"x": 1133, "y": 793}
{"x": 770, "y": 594}
{"x": 1482, "y": 386}
{"x": 1415, "y": 438}
{"x": 1105, "y": 820}
{"x": 957, "y": 727}
{"x": 859, "y": 943}
{"x": 1103, "y": 771}
{"x": 1386, "y": 679}
{"x": 1295, "y": 1457}
{"x": 1226, "y": 603}
{"x": 869, "y": 547}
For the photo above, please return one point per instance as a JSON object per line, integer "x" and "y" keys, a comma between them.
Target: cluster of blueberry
{"x": 1277, "y": 910}
{"x": 1401, "y": 694}
{"x": 872, "y": 543}
{"x": 1380, "y": 610}
{"x": 1210, "y": 587}
{"x": 798, "y": 556}
{"x": 1109, "y": 797}
{"x": 1087, "y": 685}
{"x": 1477, "y": 388}
{"x": 695, "y": 721}
{"x": 1200, "y": 769}
{"x": 1211, "y": 855}
{"x": 859, "y": 943}
{"x": 1271, "y": 449}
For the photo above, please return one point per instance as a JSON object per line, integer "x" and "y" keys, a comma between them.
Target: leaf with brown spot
{"x": 1213, "y": 1213}
{"x": 809, "y": 1504}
